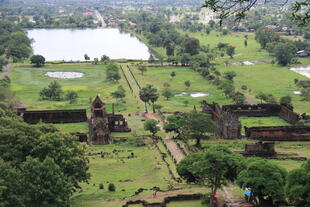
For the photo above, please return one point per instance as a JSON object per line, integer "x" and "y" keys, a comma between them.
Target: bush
{"x": 71, "y": 96}
{"x": 101, "y": 186}
{"x": 111, "y": 187}
{"x": 53, "y": 92}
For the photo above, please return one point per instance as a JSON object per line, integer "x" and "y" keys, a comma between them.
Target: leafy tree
{"x": 173, "y": 74}
{"x": 119, "y": 93}
{"x": 215, "y": 168}
{"x": 86, "y": 57}
{"x": 230, "y": 50}
{"x": 265, "y": 179}
{"x": 104, "y": 58}
{"x": 167, "y": 93}
{"x": 111, "y": 187}
{"x": 187, "y": 84}
{"x": 112, "y": 73}
{"x": 71, "y": 96}
{"x": 196, "y": 125}
{"x": 286, "y": 100}
{"x": 42, "y": 166}
{"x": 261, "y": 96}
{"x": 265, "y": 35}
{"x": 238, "y": 98}
{"x": 245, "y": 43}
{"x": 239, "y": 9}
{"x": 170, "y": 49}
{"x": 149, "y": 94}
{"x": 37, "y": 60}
{"x": 151, "y": 126}
{"x": 191, "y": 46}
{"x": 174, "y": 124}
{"x": 305, "y": 93}
{"x": 186, "y": 102}
{"x": 298, "y": 185}
{"x": 53, "y": 92}
{"x": 284, "y": 53}
{"x": 96, "y": 61}
{"x": 229, "y": 75}
{"x": 142, "y": 69}
{"x": 3, "y": 62}
{"x": 5, "y": 82}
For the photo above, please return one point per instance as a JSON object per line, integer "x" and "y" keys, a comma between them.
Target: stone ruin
{"x": 101, "y": 123}
{"x": 227, "y": 121}
{"x": 260, "y": 149}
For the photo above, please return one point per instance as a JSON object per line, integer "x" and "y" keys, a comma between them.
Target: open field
{"x": 157, "y": 76}
{"x": 268, "y": 78}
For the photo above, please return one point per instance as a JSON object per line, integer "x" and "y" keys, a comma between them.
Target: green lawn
{"x": 27, "y": 82}
{"x": 261, "y": 121}
{"x": 157, "y": 76}
{"x": 146, "y": 170}
{"x": 268, "y": 78}
{"x": 73, "y": 127}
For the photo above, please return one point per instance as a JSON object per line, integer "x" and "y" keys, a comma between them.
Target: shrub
{"x": 71, "y": 96}
{"x": 101, "y": 186}
{"x": 111, "y": 187}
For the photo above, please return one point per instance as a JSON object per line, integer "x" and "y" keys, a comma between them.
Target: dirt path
{"x": 6, "y": 71}
{"x": 170, "y": 143}
{"x": 231, "y": 200}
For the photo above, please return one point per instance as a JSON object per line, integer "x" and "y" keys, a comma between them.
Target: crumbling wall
{"x": 55, "y": 116}
{"x": 259, "y": 110}
{"x": 286, "y": 113}
{"x": 228, "y": 125}
{"x": 117, "y": 123}
{"x": 281, "y": 133}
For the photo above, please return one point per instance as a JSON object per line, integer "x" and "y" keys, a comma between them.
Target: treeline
{"x": 284, "y": 50}
{"x": 14, "y": 43}
{"x": 39, "y": 165}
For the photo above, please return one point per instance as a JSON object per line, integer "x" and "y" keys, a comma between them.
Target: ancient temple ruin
{"x": 101, "y": 123}
{"x": 227, "y": 121}
{"x": 259, "y": 149}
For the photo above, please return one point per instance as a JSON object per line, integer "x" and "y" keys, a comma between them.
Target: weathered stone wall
{"x": 182, "y": 197}
{"x": 228, "y": 125}
{"x": 117, "y": 123}
{"x": 281, "y": 133}
{"x": 259, "y": 110}
{"x": 286, "y": 113}
{"x": 55, "y": 116}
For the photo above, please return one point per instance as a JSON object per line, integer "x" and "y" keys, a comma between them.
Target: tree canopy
{"x": 39, "y": 166}
{"x": 265, "y": 179}
{"x": 239, "y": 9}
{"x": 298, "y": 185}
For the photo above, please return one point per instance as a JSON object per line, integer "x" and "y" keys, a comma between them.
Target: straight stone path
{"x": 172, "y": 146}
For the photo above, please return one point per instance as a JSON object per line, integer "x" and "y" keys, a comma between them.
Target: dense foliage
{"x": 39, "y": 166}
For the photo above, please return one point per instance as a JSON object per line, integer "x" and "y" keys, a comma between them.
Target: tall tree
{"x": 298, "y": 185}
{"x": 191, "y": 46}
{"x": 265, "y": 179}
{"x": 37, "y": 60}
{"x": 215, "y": 168}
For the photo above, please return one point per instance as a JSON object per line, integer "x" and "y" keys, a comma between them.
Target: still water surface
{"x": 72, "y": 44}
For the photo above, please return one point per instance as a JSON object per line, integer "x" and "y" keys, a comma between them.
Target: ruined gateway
{"x": 101, "y": 123}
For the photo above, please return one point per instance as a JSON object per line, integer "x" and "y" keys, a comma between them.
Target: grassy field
{"x": 261, "y": 121}
{"x": 268, "y": 78}
{"x": 157, "y": 76}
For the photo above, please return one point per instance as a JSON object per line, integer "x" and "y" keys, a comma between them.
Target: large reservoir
{"x": 72, "y": 44}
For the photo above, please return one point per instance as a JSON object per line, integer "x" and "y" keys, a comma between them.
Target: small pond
{"x": 193, "y": 94}
{"x": 64, "y": 75}
{"x": 302, "y": 70}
